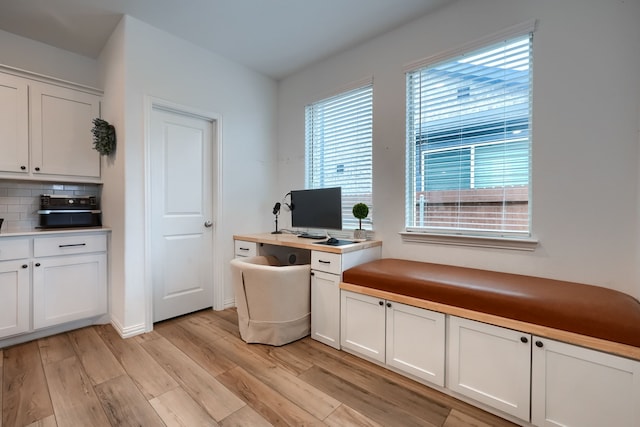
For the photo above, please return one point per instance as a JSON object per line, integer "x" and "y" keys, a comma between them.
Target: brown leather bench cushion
{"x": 584, "y": 309}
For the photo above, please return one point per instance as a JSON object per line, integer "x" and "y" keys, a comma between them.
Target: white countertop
{"x": 46, "y": 231}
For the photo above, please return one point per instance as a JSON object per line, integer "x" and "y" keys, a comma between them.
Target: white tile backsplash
{"x": 19, "y": 200}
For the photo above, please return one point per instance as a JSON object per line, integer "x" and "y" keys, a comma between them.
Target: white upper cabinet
{"x": 61, "y": 122}
{"x": 14, "y": 124}
{"x": 45, "y": 131}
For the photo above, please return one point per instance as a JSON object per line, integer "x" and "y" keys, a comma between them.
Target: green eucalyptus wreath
{"x": 104, "y": 137}
{"x": 360, "y": 211}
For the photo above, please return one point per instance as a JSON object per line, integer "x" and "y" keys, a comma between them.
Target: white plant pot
{"x": 359, "y": 234}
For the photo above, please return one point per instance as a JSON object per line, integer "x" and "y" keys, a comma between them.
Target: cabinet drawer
{"x": 245, "y": 249}
{"x": 65, "y": 245}
{"x": 14, "y": 249}
{"x": 325, "y": 261}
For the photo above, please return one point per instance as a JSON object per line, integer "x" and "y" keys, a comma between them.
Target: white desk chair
{"x": 273, "y": 301}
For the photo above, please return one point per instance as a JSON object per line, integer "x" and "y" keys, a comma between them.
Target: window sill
{"x": 519, "y": 244}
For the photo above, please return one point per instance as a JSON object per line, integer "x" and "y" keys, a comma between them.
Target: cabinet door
{"x": 490, "y": 364}
{"x": 69, "y": 288}
{"x": 61, "y": 122}
{"x": 14, "y": 124}
{"x": 325, "y": 308}
{"x": 575, "y": 386}
{"x": 416, "y": 341}
{"x": 362, "y": 328}
{"x": 14, "y": 297}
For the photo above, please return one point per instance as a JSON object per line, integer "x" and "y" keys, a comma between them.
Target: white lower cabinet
{"x": 14, "y": 297}
{"x": 575, "y": 386}
{"x": 416, "y": 341}
{"x": 490, "y": 364}
{"x": 537, "y": 380}
{"x": 325, "y": 312}
{"x": 68, "y": 288}
{"x": 407, "y": 338}
{"x": 362, "y": 325}
{"x": 51, "y": 279}
{"x": 326, "y": 274}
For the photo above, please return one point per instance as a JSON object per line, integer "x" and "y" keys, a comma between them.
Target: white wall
{"x": 586, "y": 93}
{"x": 30, "y": 55}
{"x": 144, "y": 61}
{"x": 112, "y": 77}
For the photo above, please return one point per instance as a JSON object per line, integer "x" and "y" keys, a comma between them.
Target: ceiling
{"x": 273, "y": 37}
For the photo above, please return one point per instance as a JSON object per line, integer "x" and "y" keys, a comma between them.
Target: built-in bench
{"x": 582, "y": 314}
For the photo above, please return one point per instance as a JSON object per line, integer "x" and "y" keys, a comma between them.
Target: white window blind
{"x": 338, "y": 138}
{"x": 469, "y": 142}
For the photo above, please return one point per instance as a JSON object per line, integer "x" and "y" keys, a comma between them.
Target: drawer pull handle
{"x": 72, "y": 245}
{"x": 324, "y": 262}
{"x": 244, "y": 249}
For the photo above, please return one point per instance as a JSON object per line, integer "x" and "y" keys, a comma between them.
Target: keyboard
{"x": 312, "y": 236}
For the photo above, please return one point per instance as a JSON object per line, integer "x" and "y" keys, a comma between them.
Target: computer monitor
{"x": 319, "y": 208}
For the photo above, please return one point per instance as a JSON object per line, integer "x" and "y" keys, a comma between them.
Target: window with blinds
{"x": 469, "y": 142}
{"x": 338, "y": 138}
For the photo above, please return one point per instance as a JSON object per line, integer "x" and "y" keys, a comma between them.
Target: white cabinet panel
{"x": 362, "y": 325}
{"x": 61, "y": 140}
{"x": 416, "y": 341}
{"x": 325, "y": 308}
{"x": 490, "y": 364}
{"x": 14, "y": 125}
{"x": 69, "y": 288}
{"x": 14, "y": 297}
{"x": 574, "y": 386}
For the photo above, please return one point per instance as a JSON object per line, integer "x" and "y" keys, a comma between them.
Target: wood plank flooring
{"x": 196, "y": 371}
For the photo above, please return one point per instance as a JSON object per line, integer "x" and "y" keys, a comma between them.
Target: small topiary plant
{"x": 104, "y": 137}
{"x": 360, "y": 211}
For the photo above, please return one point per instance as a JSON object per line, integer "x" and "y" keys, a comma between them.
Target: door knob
{"x": 208, "y": 224}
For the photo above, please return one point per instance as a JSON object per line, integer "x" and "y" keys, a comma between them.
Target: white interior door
{"x": 181, "y": 163}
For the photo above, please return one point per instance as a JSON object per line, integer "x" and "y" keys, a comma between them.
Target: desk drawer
{"x": 66, "y": 245}
{"x": 245, "y": 249}
{"x": 325, "y": 261}
{"x": 14, "y": 248}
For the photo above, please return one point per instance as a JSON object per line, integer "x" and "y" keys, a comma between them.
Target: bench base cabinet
{"x": 490, "y": 364}
{"x": 406, "y": 338}
{"x": 521, "y": 376}
{"x": 575, "y": 386}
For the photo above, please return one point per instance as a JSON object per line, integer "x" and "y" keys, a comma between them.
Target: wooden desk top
{"x": 293, "y": 241}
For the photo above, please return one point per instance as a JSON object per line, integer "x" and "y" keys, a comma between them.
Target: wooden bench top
{"x": 582, "y": 309}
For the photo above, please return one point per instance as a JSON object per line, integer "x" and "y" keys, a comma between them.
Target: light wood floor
{"x": 195, "y": 371}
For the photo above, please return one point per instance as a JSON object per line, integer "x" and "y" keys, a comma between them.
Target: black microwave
{"x": 57, "y": 211}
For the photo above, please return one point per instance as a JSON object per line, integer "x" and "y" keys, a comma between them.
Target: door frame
{"x": 150, "y": 103}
